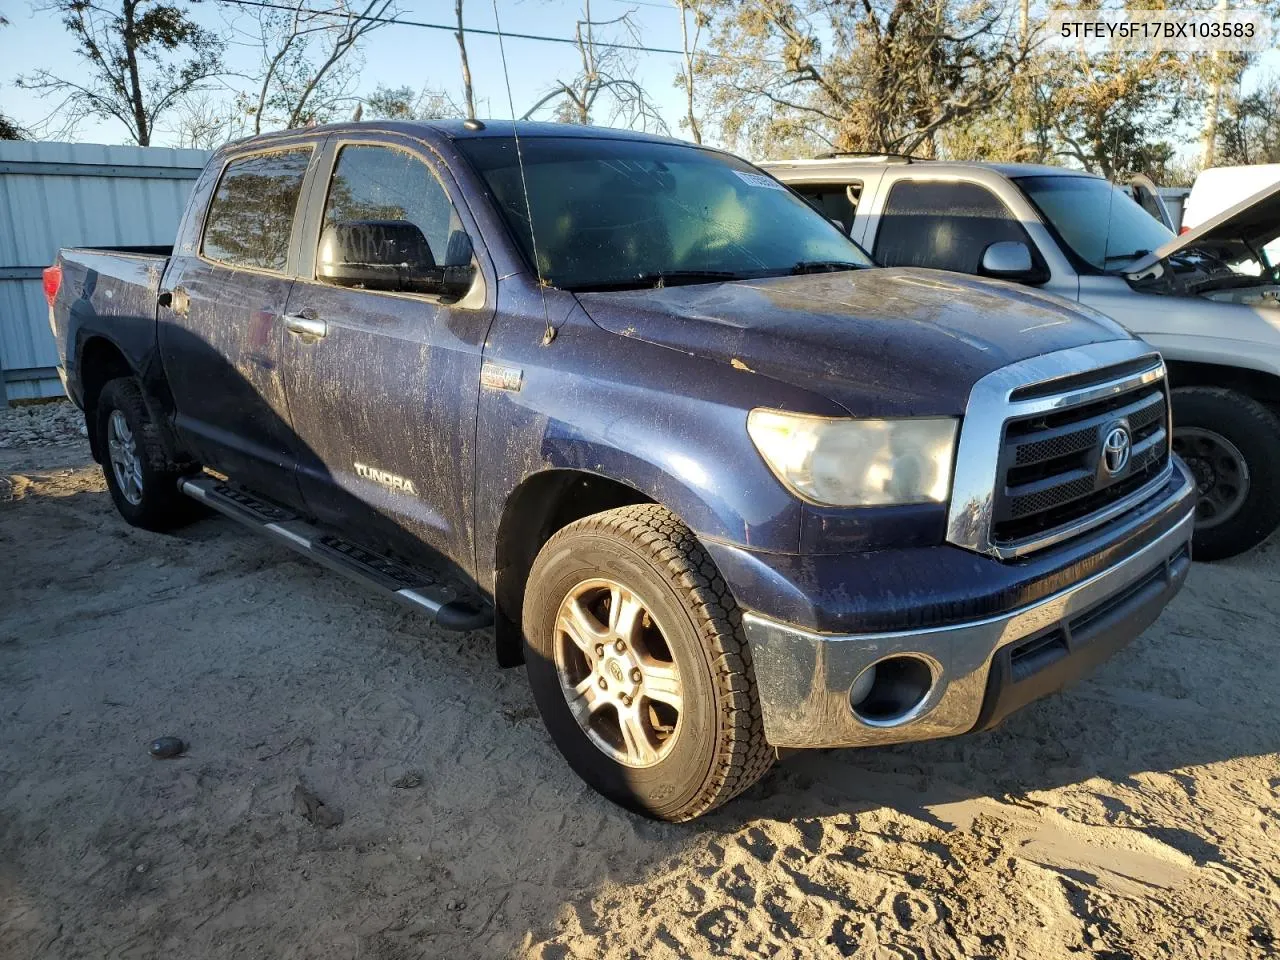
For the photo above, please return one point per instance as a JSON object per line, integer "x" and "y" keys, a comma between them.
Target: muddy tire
{"x": 634, "y": 650}
{"x": 1231, "y": 442}
{"x": 142, "y": 481}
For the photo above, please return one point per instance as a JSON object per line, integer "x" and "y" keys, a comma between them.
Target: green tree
{"x": 142, "y": 58}
{"x": 1110, "y": 110}
{"x": 1250, "y": 131}
{"x": 857, "y": 75}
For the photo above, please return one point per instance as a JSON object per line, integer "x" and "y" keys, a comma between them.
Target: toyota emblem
{"x": 1116, "y": 449}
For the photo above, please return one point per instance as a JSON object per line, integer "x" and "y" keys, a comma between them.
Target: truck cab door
{"x": 220, "y": 329}
{"x": 1147, "y": 195}
{"x": 946, "y": 222}
{"x": 383, "y": 385}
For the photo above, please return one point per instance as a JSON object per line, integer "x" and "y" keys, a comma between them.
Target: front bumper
{"x": 982, "y": 669}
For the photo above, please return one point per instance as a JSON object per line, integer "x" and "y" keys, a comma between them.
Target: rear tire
{"x": 141, "y": 479}
{"x": 676, "y": 639}
{"x": 1231, "y": 442}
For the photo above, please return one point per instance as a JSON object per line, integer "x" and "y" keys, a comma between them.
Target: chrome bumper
{"x": 804, "y": 678}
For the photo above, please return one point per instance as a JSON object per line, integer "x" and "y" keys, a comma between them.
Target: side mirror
{"x": 1011, "y": 260}
{"x": 384, "y": 255}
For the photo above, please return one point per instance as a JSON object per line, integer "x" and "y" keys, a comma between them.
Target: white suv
{"x": 1208, "y": 300}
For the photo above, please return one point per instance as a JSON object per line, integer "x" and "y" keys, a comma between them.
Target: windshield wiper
{"x": 663, "y": 278}
{"x": 824, "y": 266}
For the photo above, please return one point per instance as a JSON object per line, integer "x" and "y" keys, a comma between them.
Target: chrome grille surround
{"x": 978, "y": 497}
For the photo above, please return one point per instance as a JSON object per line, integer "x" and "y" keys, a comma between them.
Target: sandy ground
{"x": 1137, "y": 815}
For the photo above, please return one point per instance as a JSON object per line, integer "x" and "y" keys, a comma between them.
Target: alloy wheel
{"x": 125, "y": 462}
{"x": 617, "y": 673}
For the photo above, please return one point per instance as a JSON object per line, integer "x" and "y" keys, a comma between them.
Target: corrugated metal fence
{"x": 66, "y": 195}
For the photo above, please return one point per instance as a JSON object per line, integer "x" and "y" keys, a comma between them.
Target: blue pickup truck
{"x": 719, "y": 483}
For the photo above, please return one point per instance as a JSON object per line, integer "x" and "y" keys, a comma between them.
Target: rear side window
{"x": 251, "y": 216}
{"x": 835, "y": 201}
{"x": 382, "y": 183}
{"x": 943, "y": 225}
{"x": 1147, "y": 200}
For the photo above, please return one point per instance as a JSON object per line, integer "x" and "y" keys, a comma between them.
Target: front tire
{"x": 1231, "y": 442}
{"x": 142, "y": 481}
{"x": 634, "y": 650}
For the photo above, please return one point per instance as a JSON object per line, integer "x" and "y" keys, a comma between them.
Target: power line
{"x": 453, "y": 28}
{"x": 647, "y": 3}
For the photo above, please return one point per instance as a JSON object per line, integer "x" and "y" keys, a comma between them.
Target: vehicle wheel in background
{"x": 141, "y": 479}
{"x": 1231, "y": 442}
{"x": 634, "y": 649}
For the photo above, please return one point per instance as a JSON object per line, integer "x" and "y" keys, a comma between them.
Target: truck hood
{"x": 1254, "y": 221}
{"x": 879, "y": 342}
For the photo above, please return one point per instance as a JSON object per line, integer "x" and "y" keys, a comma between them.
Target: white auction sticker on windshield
{"x": 759, "y": 180}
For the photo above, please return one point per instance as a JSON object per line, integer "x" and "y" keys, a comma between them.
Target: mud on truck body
{"x": 721, "y": 486}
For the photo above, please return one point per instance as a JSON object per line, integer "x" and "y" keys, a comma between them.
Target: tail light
{"x": 1183, "y": 230}
{"x": 52, "y": 281}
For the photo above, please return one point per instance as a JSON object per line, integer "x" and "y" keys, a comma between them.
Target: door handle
{"x": 309, "y": 329}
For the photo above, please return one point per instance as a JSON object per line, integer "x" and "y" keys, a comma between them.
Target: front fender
{"x": 715, "y": 486}
{"x": 669, "y": 425}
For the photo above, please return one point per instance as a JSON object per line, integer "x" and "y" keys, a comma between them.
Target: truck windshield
{"x": 618, "y": 214}
{"x": 1099, "y": 222}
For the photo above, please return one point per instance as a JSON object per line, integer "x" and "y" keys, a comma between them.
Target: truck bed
{"x": 112, "y": 287}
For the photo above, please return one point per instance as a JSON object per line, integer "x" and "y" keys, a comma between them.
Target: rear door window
{"x": 945, "y": 225}
{"x": 837, "y": 202}
{"x": 251, "y": 216}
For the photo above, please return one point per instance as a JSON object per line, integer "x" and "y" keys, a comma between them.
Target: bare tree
{"x": 143, "y": 58}
{"x": 461, "y": 36}
{"x": 309, "y": 64}
{"x": 402, "y": 103}
{"x": 606, "y": 80}
{"x": 9, "y": 130}
{"x": 691, "y": 9}
{"x": 205, "y": 121}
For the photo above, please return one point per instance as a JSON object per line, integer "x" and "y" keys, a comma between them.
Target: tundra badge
{"x": 388, "y": 480}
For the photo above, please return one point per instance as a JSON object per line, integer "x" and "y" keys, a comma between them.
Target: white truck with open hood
{"x": 1208, "y": 299}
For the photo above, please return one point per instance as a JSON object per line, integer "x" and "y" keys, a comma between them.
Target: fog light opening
{"x": 889, "y": 692}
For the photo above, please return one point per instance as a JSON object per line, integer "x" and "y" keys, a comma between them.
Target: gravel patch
{"x": 57, "y": 424}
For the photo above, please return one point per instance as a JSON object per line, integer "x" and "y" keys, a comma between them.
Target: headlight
{"x": 850, "y": 463}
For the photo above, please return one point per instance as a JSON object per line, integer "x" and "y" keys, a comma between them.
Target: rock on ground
{"x": 55, "y": 423}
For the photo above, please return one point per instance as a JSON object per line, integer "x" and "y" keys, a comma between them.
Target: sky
{"x": 400, "y": 55}
{"x": 395, "y": 55}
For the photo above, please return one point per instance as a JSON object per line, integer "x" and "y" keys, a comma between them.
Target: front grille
{"x": 1052, "y": 473}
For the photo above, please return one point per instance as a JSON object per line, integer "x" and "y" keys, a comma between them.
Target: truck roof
{"x": 457, "y": 130}
{"x": 856, "y": 162}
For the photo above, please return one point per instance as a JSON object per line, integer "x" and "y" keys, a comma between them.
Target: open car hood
{"x": 1255, "y": 220}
